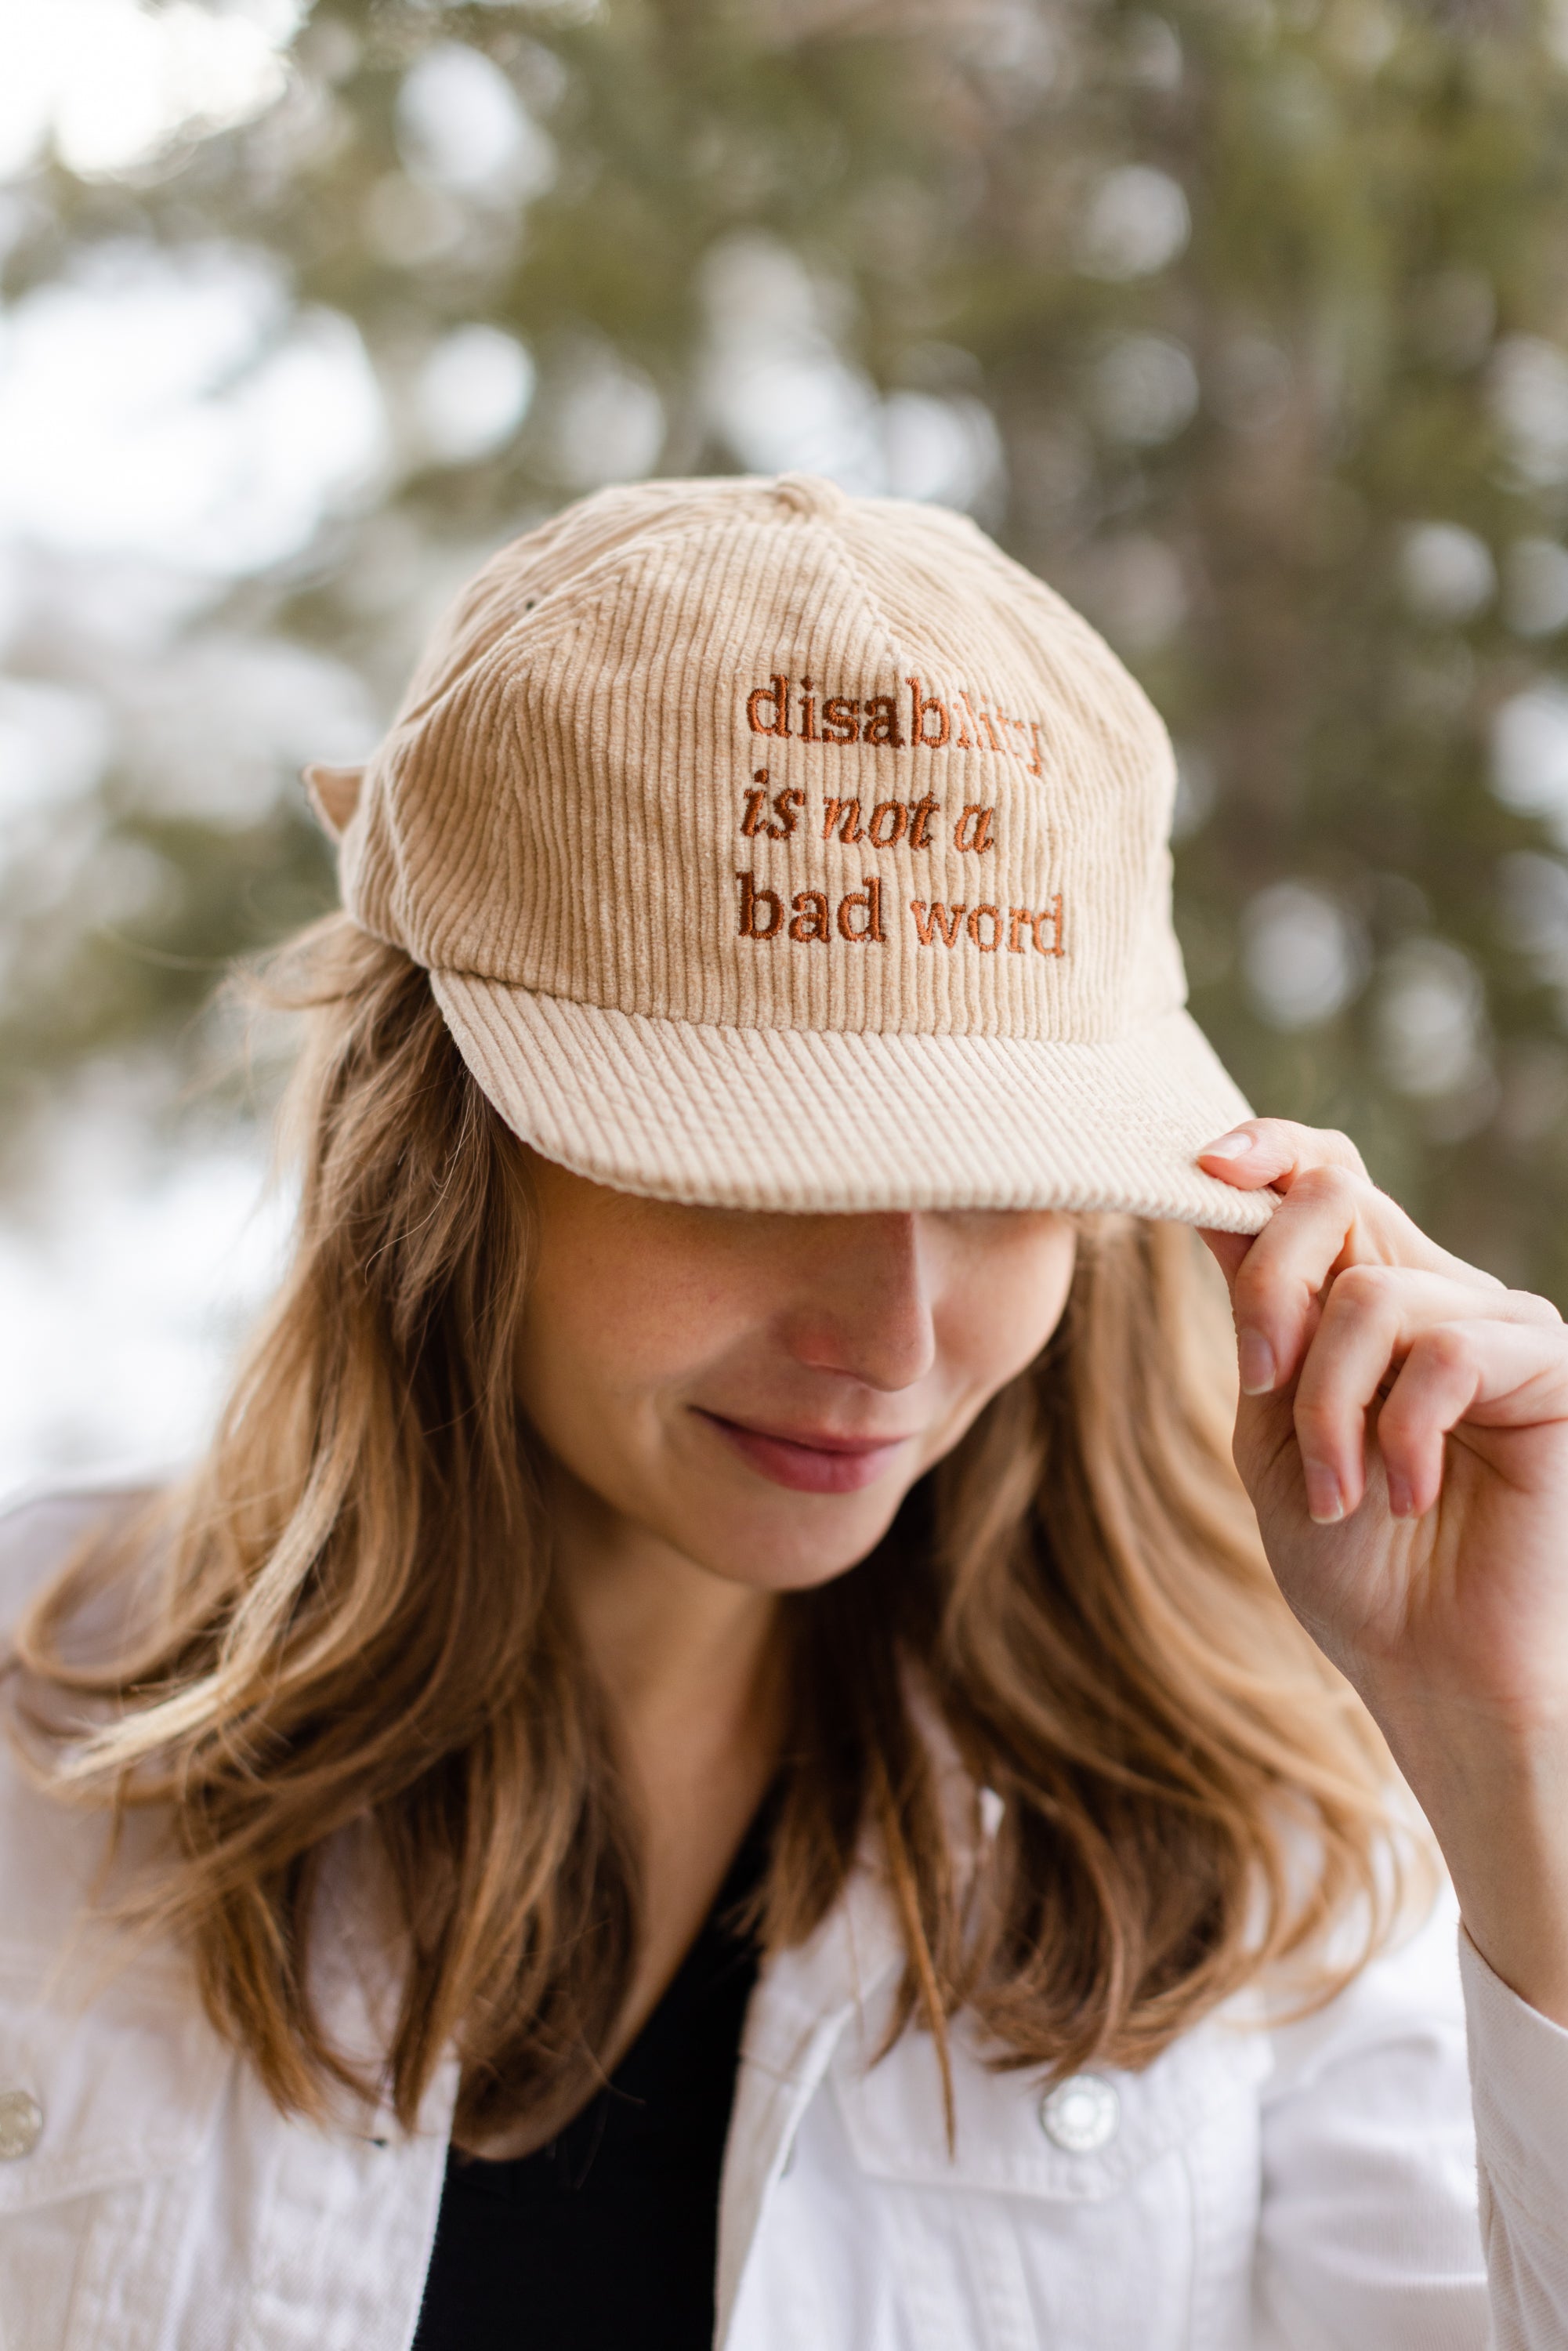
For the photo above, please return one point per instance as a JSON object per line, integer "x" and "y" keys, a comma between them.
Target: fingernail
{"x": 1255, "y": 1362}
{"x": 1325, "y": 1503}
{"x": 1401, "y": 1497}
{"x": 1229, "y": 1146}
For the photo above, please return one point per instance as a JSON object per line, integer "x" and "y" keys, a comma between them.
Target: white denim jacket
{"x": 1306, "y": 2188}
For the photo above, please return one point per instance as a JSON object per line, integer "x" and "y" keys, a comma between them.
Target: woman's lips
{"x": 810, "y": 1462}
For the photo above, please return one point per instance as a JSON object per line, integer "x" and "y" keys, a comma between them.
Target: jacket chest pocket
{"x": 105, "y": 2112}
{"x": 1116, "y": 2214}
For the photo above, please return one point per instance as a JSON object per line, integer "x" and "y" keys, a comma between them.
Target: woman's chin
{"x": 792, "y": 1548}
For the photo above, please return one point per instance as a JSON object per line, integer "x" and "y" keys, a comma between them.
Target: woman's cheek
{"x": 1003, "y": 1311}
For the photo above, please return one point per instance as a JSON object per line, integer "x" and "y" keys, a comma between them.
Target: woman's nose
{"x": 863, "y": 1307}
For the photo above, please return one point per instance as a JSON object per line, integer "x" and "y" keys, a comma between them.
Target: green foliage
{"x": 1220, "y": 446}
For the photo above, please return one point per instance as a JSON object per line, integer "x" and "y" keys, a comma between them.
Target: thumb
{"x": 1228, "y": 1251}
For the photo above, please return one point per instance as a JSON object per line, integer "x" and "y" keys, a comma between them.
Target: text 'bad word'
{"x": 858, "y": 918}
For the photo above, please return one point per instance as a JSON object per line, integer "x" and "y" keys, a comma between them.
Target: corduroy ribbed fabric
{"x": 779, "y": 848}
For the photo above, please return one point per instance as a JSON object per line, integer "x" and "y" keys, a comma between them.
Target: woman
{"x": 716, "y": 1690}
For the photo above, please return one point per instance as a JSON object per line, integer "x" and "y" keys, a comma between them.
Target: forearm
{"x": 1496, "y": 1798}
{"x": 1403, "y": 1433}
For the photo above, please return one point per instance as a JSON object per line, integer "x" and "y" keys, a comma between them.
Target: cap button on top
{"x": 1080, "y": 2115}
{"x": 810, "y": 494}
{"x": 21, "y": 2121}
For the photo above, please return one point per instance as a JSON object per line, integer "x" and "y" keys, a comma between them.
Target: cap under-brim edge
{"x": 852, "y": 1121}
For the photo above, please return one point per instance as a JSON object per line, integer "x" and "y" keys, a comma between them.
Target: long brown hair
{"x": 355, "y": 1626}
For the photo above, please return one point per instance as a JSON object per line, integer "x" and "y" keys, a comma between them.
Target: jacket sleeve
{"x": 1518, "y": 2072}
{"x": 1397, "y": 2215}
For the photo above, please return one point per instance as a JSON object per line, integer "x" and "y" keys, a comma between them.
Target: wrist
{"x": 1495, "y": 1794}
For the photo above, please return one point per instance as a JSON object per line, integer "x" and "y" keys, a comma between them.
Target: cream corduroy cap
{"x": 773, "y": 848}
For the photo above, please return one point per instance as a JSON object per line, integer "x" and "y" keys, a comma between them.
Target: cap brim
{"x": 840, "y": 1121}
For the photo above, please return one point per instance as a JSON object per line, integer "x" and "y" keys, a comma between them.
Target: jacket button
{"x": 1081, "y": 2114}
{"x": 21, "y": 2120}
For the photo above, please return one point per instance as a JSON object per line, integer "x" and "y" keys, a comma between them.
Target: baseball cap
{"x": 774, "y": 847}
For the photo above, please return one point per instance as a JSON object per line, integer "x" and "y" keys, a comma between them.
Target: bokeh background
{"x": 1243, "y": 321}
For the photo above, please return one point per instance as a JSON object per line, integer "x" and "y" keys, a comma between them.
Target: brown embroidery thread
{"x": 937, "y": 921}
{"x": 918, "y": 706}
{"x": 849, "y": 830}
{"x": 897, "y": 813}
{"x": 920, "y": 817}
{"x": 870, "y": 899}
{"x": 986, "y": 946}
{"x": 981, "y": 838}
{"x": 882, "y": 722}
{"x": 752, "y": 897}
{"x": 1051, "y": 915}
{"x": 964, "y": 724}
{"x": 1028, "y": 918}
{"x": 810, "y": 919}
{"x": 788, "y": 805}
{"x": 982, "y": 720}
{"x": 776, "y": 691}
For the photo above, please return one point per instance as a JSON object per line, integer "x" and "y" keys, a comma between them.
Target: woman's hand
{"x": 1403, "y": 1433}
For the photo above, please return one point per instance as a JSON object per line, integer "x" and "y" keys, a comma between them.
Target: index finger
{"x": 1277, "y": 1151}
{"x": 1331, "y": 1216}
{"x": 1272, "y": 1152}
{"x": 1281, "y": 1154}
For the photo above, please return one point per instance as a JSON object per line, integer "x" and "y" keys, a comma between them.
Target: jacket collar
{"x": 804, "y": 2000}
{"x": 807, "y": 1997}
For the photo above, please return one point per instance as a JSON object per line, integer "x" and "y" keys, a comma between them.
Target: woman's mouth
{"x": 809, "y": 1461}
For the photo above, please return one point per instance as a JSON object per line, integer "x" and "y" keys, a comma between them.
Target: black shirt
{"x": 606, "y": 2239}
